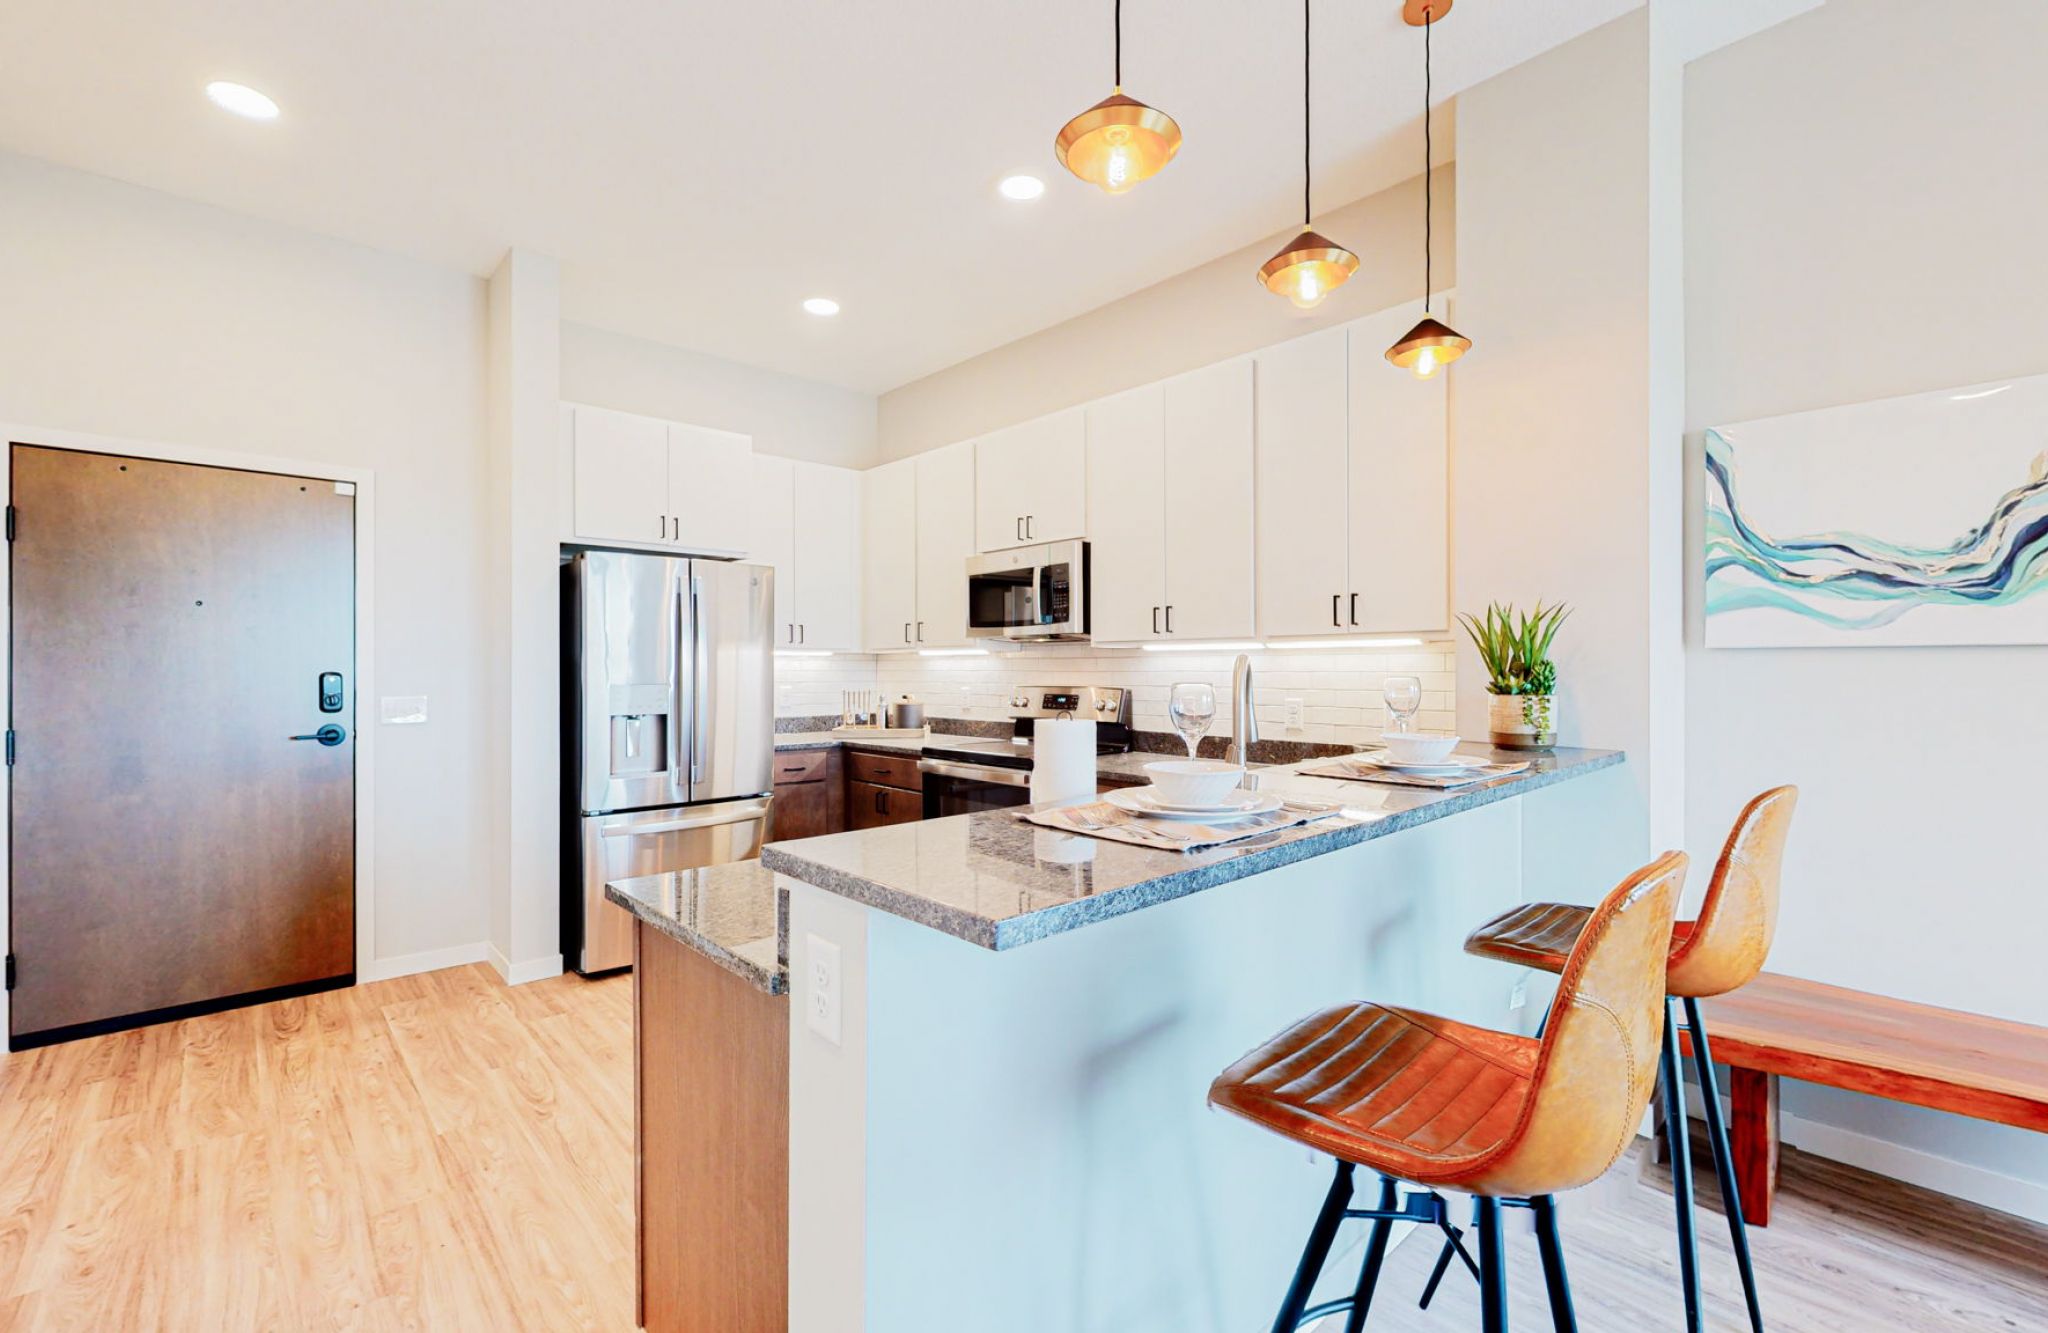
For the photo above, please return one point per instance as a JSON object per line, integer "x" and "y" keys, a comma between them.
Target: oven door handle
{"x": 1007, "y": 777}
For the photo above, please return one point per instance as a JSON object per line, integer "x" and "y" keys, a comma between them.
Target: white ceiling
{"x": 699, "y": 168}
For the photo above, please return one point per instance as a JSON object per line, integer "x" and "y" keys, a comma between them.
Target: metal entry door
{"x": 182, "y": 794}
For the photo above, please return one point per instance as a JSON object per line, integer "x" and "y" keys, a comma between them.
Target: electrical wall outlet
{"x": 821, "y": 991}
{"x": 402, "y": 710}
{"x": 1297, "y": 716}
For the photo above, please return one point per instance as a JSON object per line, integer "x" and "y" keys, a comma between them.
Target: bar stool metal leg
{"x": 1681, "y": 1167}
{"x": 1724, "y": 1161}
{"x": 1562, "y": 1318}
{"x": 1493, "y": 1268}
{"x": 1375, "y": 1257}
{"x": 1313, "y": 1256}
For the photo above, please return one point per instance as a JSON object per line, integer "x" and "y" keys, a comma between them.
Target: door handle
{"x": 803, "y": 633}
{"x": 881, "y": 801}
{"x": 331, "y": 734}
{"x": 920, "y": 631}
{"x": 1169, "y": 619}
{"x": 906, "y": 631}
{"x": 1155, "y": 620}
{"x": 1354, "y": 608}
{"x": 1335, "y": 598}
{"x": 1020, "y": 527}
{"x": 1028, "y": 520}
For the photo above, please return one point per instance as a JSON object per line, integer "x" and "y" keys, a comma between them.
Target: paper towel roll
{"x": 1062, "y": 761}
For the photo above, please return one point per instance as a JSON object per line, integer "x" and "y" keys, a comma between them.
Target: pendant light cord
{"x": 1428, "y": 163}
{"x": 1119, "y": 43}
{"x": 1305, "y": 214}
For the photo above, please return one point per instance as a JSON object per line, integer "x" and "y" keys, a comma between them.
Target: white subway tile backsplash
{"x": 1340, "y": 690}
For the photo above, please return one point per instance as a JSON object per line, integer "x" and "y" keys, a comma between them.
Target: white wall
{"x": 133, "y": 314}
{"x": 1555, "y": 476}
{"x": 787, "y": 416}
{"x": 1194, "y": 319}
{"x": 1889, "y": 243}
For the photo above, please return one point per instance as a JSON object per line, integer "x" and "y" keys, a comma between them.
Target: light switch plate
{"x": 821, "y": 987}
{"x": 402, "y": 710}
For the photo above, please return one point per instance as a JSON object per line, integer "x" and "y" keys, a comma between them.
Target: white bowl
{"x": 1194, "y": 781}
{"x": 1419, "y": 747}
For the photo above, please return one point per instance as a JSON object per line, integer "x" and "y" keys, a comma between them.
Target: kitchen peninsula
{"x": 998, "y": 1038}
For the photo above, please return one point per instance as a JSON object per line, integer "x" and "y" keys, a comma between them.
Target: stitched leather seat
{"x": 1724, "y": 948}
{"x": 1438, "y": 1102}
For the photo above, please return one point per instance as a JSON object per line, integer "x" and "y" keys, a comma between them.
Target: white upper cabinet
{"x": 804, "y": 520}
{"x": 1303, "y": 562}
{"x": 643, "y": 482}
{"x": 828, "y": 556}
{"x": 1170, "y": 482}
{"x": 945, "y": 539}
{"x": 1209, "y": 489}
{"x": 889, "y": 555}
{"x": 1127, "y": 515}
{"x": 621, "y": 478}
{"x": 708, "y": 470}
{"x": 1031, "y": 482}
{"x": 1400, "y": 500}
{"x": 772, "y": 537}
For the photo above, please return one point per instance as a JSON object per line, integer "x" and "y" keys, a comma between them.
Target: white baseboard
{"x": 527, "y": 969}
{"x": 430, "y": 960}
{"x": 1944, "y": 1175}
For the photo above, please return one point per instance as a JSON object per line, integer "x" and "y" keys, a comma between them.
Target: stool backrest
{"x": 1739, "y": 916}
{"x": 1598, "y": 1061}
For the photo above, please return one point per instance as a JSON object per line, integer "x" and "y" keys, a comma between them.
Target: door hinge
{"x": 10, "y": 523}
{"x": 10, "y": 971}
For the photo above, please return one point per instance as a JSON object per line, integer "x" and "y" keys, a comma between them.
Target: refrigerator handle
{"x": 700, "y": 724}
{"x": 679, "y": 686}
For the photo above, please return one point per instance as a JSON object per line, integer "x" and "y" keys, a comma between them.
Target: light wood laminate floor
{"x": 444, "y": 1152}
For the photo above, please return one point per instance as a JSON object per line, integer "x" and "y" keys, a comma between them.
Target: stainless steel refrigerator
{"x": 668, "y": 734}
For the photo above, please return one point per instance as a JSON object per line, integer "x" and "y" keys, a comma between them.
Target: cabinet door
{"x": 1400, "y": 528}
{"x": 828, "y": 505}
{"x": 1031, "y": 482}
{"x": 945, "y": 538}
{"x": 706, "y": 470}
{"x": 889, "y": 556}
{"x": 871, "y": 806}
{"x": 1208, "y": 512}
{"x": 771, "y": 536}
{"x": 1302, "y": 507}
{"x": 1127, "y": 487}
{"x": 621, "y": 477}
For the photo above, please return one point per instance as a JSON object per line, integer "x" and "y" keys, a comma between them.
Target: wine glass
{"x": 1404, "y": 697}
{"x": 1191, "y": 707}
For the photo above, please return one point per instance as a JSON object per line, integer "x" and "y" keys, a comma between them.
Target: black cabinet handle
{"x": 1169, "y": 618}
{"x": 920, "y": 631}
{"x": 1155, "y": 620}
{"x": 1354, "y": 608}
{"x": 330, "y": 734}
{"x": 881, "y": 801}
{"x": 1020, "y": 527}
{"x": 906, "y": 631}
{"x": 1335, "y": 619}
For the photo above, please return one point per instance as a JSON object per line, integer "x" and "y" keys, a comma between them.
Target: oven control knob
{"x": 1102, "y": 705}
{"x": 1019, "y": 701}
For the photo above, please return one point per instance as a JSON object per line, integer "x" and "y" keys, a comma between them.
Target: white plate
{"x": 1237, "y": 801}
{"x": 1457, "y": 763}
{"x": 1140, "y": 801}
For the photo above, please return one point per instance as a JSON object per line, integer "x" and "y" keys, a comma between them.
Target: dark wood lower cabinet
{"x": 711, "y": 1144}
{"x": 810, "y": 795}
{"x": 870, "y": 805}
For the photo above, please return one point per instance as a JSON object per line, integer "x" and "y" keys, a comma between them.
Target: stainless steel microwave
{"x": 1029, "y": 593}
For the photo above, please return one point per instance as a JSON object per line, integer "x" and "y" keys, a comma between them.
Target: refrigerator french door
{"x": 669, "y": 729}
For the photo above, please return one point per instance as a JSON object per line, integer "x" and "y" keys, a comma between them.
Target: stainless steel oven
{"x": 1029, "y": 593}
{"x": 964, "y": 776}
{"x": 953, "y": 787}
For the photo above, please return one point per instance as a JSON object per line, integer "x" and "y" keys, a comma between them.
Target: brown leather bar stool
{"x": 1722, "y": 949}
{"x": 1511, "y": 1120}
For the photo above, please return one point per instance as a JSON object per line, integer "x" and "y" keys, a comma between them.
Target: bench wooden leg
{"x": 1753, "y": 1129}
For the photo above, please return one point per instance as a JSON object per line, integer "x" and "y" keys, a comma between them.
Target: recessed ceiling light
{"x": 821, "y": 305}
{"x": 241, "y": 100}
{"x": 1021, "y": 188}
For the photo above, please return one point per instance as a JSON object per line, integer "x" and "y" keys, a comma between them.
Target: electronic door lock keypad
{"x": 330, "y": 692}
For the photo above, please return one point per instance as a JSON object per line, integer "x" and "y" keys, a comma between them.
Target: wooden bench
{"x": 1783, "y": 1027}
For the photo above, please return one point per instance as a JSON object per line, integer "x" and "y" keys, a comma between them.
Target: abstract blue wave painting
{"x": 1916, "y": 520}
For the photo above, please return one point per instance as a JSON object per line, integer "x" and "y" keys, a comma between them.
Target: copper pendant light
{"x": 1431, "y": 343}
{"x": 1310, "y": 266}
{"x": 1119, "y": 141}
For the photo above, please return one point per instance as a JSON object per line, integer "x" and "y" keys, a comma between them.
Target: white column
{"x": 524, "y": 390}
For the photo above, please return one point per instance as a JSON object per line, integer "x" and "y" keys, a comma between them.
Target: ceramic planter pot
{"x": 1523, "y": 721}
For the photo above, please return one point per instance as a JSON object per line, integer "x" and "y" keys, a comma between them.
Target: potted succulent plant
{"x": 1515, "y": 646}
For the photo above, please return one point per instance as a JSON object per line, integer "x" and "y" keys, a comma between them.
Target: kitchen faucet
{"x": 1244, "y": 723}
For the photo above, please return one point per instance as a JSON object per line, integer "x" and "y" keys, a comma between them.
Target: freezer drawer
{"x": 651, "y": 842}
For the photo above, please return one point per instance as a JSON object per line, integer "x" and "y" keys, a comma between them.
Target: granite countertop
{"x": 993, "y": 880}
{"x": 729, "y": 913}
{"x": 825, "y": 740}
